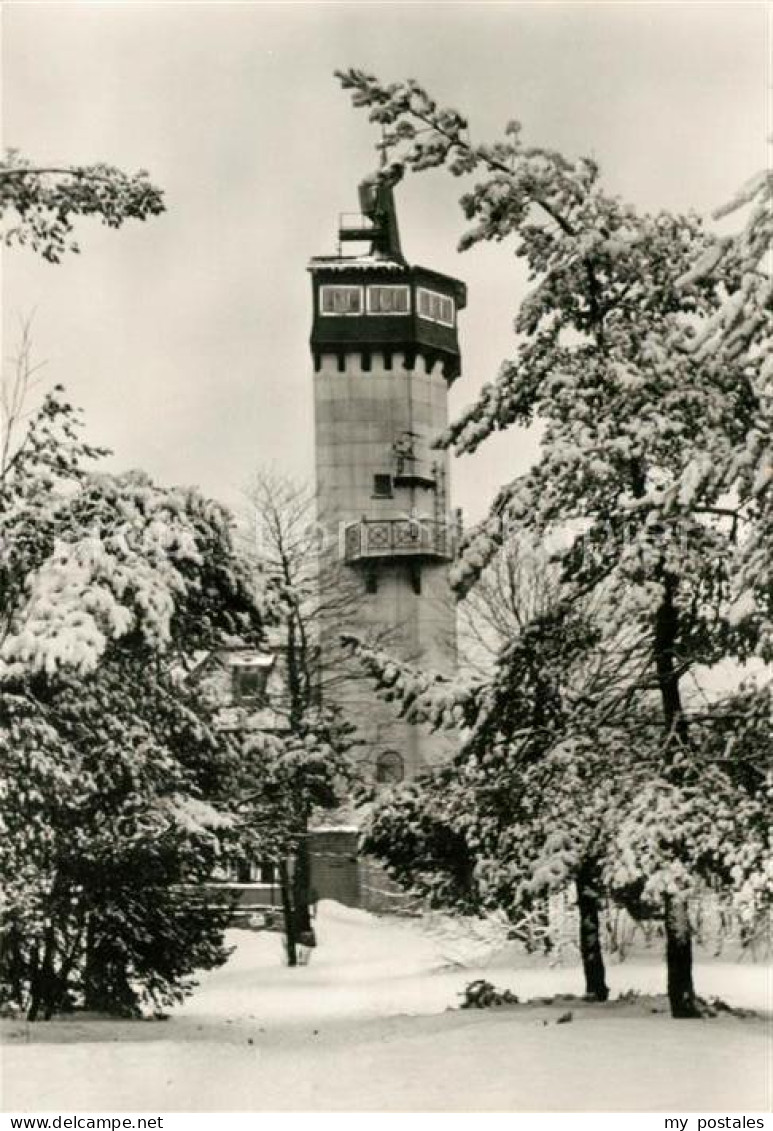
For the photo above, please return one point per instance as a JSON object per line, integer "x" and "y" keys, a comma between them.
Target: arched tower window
{"x": 390, "y": 768}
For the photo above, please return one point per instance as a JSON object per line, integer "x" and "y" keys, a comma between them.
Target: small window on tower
{"x": 388, "y": 300}
{"x": 382, "y": 486}
{"x": 390, "y": 768}
{"x": 415, "y": 576}
{"x": 340, "y": 300}
{"x": 435, "y": 307}
{"x": 249, "y": 683}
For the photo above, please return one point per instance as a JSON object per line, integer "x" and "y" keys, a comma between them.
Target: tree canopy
{"x": 643, "y": 350}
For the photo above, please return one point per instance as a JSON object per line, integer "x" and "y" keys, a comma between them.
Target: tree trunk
{"x": 681, "y": 993}
{"x": 94, "y": 989}
{"x": 287, "y": 911}
{"x": 302, "y": 889}
{"x": 590, "y": 937}
{"x": 33, "y": 1008}
{"x": 44, "y": 993}
{"x": 13, "y": 965}
{"x": 69, "y": 961}
{"x": 666, "y": 666}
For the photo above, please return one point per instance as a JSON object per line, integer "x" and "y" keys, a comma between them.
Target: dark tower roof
{"x": 425, "y": 319}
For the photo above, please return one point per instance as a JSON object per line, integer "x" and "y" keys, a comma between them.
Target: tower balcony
{"x": 414, "y": 477}
{"x": 355, "y": 226}
{"x": 370, "y": 539}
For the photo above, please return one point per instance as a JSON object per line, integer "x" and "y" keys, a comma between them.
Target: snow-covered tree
{"x": 118, "y": 787}
{"x": 523, "y": 809}
{"x": 106, "y": 811}
{"x": 284, "y": 537}
{"x": 289, "y": 540}
{"x": 643, "y": 350}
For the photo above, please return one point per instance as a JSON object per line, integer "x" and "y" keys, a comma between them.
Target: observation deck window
{"x": 340, "y": 300}
{"x": 435, "y": 307}
{"x": 389, "y": 300}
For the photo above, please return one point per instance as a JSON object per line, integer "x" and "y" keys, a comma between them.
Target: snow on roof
{"x": 231, "y": 655}
{"x": 355, "y": 262}
{"x": 252, "y": 660}
{"x": 334, "y": 829}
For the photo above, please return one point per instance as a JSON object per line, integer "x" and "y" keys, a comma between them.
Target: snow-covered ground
{"x": 366, "y": 1027}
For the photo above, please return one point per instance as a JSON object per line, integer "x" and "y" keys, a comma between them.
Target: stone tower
{"x": 385, "y": 351}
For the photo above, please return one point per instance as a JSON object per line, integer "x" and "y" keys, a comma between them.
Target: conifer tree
{"x": 643, "y": 349}
{"x": 118, "y": 790}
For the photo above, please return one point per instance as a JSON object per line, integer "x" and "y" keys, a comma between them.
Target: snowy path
{"x": 369, "y": 968}
{"x": 364, "y": 1027}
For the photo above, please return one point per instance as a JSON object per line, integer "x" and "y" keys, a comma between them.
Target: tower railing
{"x": 355, "y": 226}
{"x": 397, "y": 538}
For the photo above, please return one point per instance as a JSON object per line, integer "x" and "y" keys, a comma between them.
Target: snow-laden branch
{"x": 432, "y": 699}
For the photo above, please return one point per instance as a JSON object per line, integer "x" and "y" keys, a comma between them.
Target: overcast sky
{"x": 186, "y": 339}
